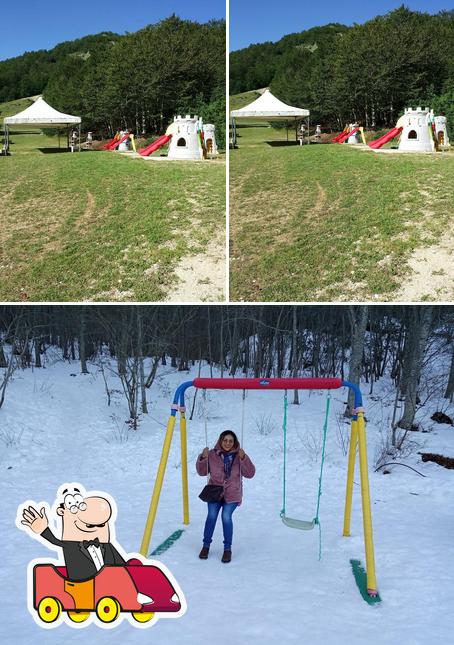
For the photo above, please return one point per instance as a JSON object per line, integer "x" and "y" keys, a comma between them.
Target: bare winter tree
{"x": 449, "y": 392}
{"x": 19, "y": 337}
{"x": 418, "y": 328}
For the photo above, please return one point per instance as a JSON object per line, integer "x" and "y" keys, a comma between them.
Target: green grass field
{"x": 99, "y": 226}
{"x": 331, "y": 223}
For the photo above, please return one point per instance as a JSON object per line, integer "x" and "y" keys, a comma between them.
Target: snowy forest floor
{"x": 323, "y": 222}
{"x": 98, "y": 227}
{"x": 56, "y": 427}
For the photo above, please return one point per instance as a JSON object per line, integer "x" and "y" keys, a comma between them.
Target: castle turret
{"x": 185, "y": 142}
{"x": 416, "y": 134}
{"x": 442, "y": 131}
{"x": 210, "y": 139}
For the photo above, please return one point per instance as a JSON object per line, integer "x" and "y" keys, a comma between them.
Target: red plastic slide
{"x": 114, "y": 145}
{"x": 378, "y": 143}
{"x": 336, "y": 139}
{"x": 107, "y": 146}
{"x": 155, "y": 145}
{"x": 344, "y": 136}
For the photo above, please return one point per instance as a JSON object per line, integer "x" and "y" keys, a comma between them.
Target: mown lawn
{"x": 99, "y": 226}
{"x": 329, "y": 223}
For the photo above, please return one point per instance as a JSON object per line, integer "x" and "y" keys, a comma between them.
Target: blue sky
{"x": 255, "y": 21}
{"x": 36, "y": 25}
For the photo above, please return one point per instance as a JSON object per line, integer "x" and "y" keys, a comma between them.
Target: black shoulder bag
{"x": 211, "y": 492}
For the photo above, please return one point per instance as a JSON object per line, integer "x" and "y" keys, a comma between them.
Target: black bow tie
{"x": 88, "y": 543}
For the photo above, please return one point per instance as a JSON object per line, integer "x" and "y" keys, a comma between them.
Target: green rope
{"x": 316, "y": 519}
{"x": 284, "y": 428}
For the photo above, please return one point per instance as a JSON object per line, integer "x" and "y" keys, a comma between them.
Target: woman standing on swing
{"x": 226, "y": 464}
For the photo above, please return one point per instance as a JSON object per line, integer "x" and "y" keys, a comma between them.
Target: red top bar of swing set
{"x": 268, "y": 383}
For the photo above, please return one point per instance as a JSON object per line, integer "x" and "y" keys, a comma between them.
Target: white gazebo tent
{"x": 41, "y": 115}
{"x": 269, "y": 108}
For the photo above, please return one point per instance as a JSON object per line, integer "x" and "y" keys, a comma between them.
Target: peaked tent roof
{"x": 269, "y": 108}
{"x": 41, "y": 115}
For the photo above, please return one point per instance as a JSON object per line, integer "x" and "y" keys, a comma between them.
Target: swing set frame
{"x": 357, "y": 445}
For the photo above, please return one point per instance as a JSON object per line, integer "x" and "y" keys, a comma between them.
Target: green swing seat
{"x": 303, "y": 525}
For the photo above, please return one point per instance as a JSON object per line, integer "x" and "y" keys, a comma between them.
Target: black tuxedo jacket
{"x": 78, "y": 561}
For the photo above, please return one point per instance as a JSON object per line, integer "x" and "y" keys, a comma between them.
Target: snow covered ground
{"x": 59, "y": 429}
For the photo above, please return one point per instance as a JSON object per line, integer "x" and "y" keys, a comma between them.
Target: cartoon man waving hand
{"x": 85, "y": 534}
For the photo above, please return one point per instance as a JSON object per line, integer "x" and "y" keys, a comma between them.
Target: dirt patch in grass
{"x": 432, "y": 274}
{"x": 201, "y": 277}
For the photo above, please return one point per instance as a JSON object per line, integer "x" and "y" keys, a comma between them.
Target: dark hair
{"x": 236, "y": 443}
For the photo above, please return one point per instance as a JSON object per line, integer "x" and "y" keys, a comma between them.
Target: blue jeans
{"x": 227, "y": 524}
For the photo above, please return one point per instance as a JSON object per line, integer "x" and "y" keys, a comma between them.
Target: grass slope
{"x": 98, "y": 226}
{"x": 325, "y": 222}
{"x": 13, "y": 107}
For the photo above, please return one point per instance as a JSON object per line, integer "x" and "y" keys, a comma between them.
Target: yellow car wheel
{"x": 143, "y": 616}
{"x": 49, "y": 609}
{"x": 107, "y": 609}
{"x": 78, "y": 616}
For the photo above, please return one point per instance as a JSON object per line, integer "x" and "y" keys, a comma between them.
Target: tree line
{"x": 138, "y": 81}
{"x": 367, "y": 73}
{"x": 355, "y": 342}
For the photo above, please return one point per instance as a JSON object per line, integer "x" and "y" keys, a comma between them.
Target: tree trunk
{"x": 418, "y": 332}
{"x": 82, "y": 346}
{"x": 449, "y": 392}
{"x": 296, "y": 400}
{"x": 143, "y": 391}
{"x": 358, "y": 321}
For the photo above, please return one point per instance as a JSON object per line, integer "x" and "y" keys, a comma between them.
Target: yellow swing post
{"x": 157, "y": 487}
{"x": 358, "y": 439}
{"x": 350, "y": 475}
{"x": 184, "y": 465}
{"x": 367, "y": 514}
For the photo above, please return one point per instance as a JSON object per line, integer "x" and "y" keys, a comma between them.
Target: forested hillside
{"x": 367, "y": 73}
{"x": 136, "y": 81}
{"x": 28, "y": 75}
{"x": 354, "y": 343}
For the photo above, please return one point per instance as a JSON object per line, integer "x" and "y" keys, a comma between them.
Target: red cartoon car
{"x": 140, "y": 589}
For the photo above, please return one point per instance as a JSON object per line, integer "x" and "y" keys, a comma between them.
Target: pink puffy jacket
{"x": 233, "y": 486}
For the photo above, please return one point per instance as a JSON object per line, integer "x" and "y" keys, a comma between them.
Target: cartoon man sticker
{"x": 96, "y": 578}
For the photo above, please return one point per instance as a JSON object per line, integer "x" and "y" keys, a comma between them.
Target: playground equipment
{"x": 353, "y": 137}
{"x": 389, "y": 136}
{"x": 419, "y": 131}
{"x": 210, "y": 139}
{"x": 348, "y": 133}
{"x": 293, "y": 523}
{"x": 186, "y": 141}
{"x": 159, "y": 143}
{"x": 357, "y": 442}
{"x": 441, "y": 132}
{"x": 121, "y": 142}
{"x": 189, "y": 139}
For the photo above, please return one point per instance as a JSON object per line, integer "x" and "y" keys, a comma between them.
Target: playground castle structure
{"x": 186, "y": 142}
{"x": 417, "y": 134}
{"x": 419, "y": 131}
{"x": 357, "y": 445}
